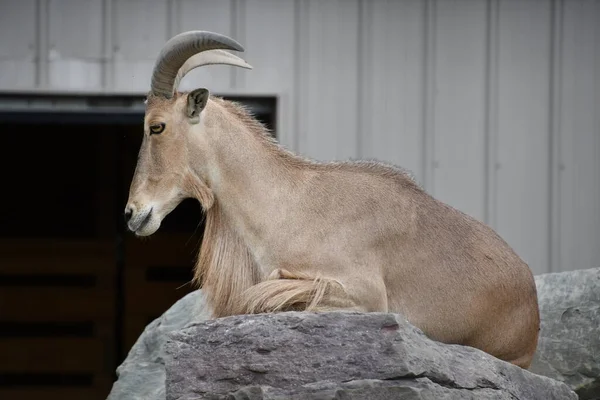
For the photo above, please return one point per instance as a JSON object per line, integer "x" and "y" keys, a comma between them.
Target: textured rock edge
{"x": 480, "y": 371}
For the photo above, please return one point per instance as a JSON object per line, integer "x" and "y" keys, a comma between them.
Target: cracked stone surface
{"x": 569, "y": 344}
{"x": 336, "y": 356}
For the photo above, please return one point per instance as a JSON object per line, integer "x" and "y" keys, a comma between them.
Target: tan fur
{"x": 285, "y": 291}
{"x": 221, "y": 248}
{"x": 288, "y": 233}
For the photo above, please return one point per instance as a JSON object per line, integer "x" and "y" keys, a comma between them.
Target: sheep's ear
{"x": 196, "y": 101}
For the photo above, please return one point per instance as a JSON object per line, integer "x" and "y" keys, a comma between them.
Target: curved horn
{"x": 210, "y": 57}
{"x": 176, "y": 52}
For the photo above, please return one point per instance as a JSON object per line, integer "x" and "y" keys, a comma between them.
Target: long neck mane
{"x": 225, "y": 267}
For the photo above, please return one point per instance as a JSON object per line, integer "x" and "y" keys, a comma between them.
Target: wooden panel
{"x": 578, "y": 139}
{"x": 392, "y": 97}
{"x": 161, "y": 250}
{"x": 35, "y": 355}
{"x": 143, "y": 297}
{"x": 43, "y": 256}
{"x": 53, "y": 393}
{"x": 59, "y": 341}
{"x": 151, "y": 287}
{"x": 522, "y": 205}
{"x": 459, "y": 110}
{"x": 54, "y": 280}
{"x": 56, "y": 304}
{"x": 327, "y": 94}
{"x": 212, "y": 16}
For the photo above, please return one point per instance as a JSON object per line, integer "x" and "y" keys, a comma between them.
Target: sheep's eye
{"x": 157, "y": 128}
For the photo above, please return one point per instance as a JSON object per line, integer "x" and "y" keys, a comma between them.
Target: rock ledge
{"x": 337, "y": 355}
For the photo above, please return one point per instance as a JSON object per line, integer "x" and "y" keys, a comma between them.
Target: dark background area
{"x": 77, "y": 289}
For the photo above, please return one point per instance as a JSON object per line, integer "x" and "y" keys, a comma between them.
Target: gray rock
{"x": 569, "y": 348}
{"x": 142, "y": 374}
{"x": 336, "y": 356}
{"x": 368, "y": 389}
{"x": 569, "y": 344}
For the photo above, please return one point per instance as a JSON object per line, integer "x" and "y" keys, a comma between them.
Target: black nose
{"x": 128, "y": 214}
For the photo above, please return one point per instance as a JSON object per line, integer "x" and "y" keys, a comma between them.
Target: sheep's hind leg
{"x": 287, "y": 291}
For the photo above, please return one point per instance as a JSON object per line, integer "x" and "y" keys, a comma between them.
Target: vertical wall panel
{"x": 429, "y": 92}
{"x": 327, "y": 90}
{"x": 579, "y": 143}
{"x": 523, "y": 129}
{"x": 269, "y": 40}
{"x": 391, "y": 102}
{"x": 207, "y": 15}
{"x": 493, "y": 39}
{"x": 18, "y": 46}
{"x": 140, "y": 32}
{"x": 75, "y": 60}
{"x": 459, "y": 112}
{"x": 269, "y": 35}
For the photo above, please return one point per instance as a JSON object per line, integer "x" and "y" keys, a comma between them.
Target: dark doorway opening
{"x": 72, "y": 279}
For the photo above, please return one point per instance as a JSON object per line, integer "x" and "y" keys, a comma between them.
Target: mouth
{"x": 145, "y": 221}
{"x": 140, "y": 225}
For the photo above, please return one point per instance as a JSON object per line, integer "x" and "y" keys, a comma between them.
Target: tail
{"x": 319, "y": 294}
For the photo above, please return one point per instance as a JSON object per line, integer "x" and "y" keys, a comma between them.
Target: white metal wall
{"x": 494, "y": 105}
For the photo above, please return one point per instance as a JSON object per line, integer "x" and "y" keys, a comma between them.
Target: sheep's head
{"x": 164, "y": 175}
